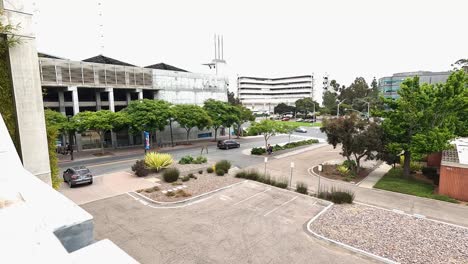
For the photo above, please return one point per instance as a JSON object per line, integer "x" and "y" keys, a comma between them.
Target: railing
{"x": 57, "y": 72}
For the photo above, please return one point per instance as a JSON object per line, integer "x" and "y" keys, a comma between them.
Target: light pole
{"x": 338, "y": 110}
{"x": 290, "y": 177}
{"x": 266, "y": 160}
{"x": 320, "y": 168}
{"x": 368, "y": 106}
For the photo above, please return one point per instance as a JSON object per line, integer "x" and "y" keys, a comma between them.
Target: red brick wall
{"x": 454, "y": 182}
{"x": 433, "y": 160}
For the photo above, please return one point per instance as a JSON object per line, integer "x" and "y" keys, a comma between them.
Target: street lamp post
{"x": 338, "y": 110}
{"x": 368, "y": 106}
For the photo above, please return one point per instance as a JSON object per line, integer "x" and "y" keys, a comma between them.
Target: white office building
{"x": 263, "y": 94}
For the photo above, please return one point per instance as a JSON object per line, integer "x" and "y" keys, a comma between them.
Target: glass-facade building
{"x": 389, "y": 86}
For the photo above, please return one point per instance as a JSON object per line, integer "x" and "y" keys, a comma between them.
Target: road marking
{"x": 398, "y": 211}
{"x": 248, "y": 198}
{"x": 294, "y": 198}
{"x": 224, "y": 197}
{"x": 419, "y": 216}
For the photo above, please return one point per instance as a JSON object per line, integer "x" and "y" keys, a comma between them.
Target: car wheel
{"x": 226, "y": 147}
{"x": 70, "y": 184}
{"x": 91, "y": 182}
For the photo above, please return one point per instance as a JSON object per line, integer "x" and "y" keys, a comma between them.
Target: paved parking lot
{"x": 249, "y": 223}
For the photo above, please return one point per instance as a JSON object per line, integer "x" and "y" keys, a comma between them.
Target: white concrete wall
{"x": 28, "y": 94}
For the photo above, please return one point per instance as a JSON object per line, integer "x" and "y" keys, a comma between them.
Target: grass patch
{"x": 395, "y": 182}
{"x": 304, "y": 124}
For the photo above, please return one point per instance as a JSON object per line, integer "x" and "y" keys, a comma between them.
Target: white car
{"x": 301, "y": 130}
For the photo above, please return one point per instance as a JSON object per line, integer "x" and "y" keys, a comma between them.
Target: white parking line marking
{"x": 222, "y": 198}
{"x": 294, "y": 198}
{"x": 225, "y": 197}
{"x": 248, "y": 198}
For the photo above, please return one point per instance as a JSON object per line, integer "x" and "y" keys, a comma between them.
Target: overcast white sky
{"x": 267, "y": 38}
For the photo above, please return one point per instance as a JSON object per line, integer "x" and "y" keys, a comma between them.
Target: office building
{"x": 389, "y": 86}
{"x": 263, "y": 94}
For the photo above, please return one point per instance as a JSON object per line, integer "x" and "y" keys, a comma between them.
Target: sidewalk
{"x": 444, "y": 211}
{"x": 92, "y": 154}
{"x": 375, "y": 176}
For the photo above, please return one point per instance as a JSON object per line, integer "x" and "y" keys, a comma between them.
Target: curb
{"x": 351, "y": 248}
{"x": 181, "y": 202}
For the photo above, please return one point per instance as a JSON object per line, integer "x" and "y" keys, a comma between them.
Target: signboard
{"x": 147, "y": 140}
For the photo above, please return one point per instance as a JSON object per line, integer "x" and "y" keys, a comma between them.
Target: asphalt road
{"x": 249, "y": 223}
{"x": 100, "y": 166}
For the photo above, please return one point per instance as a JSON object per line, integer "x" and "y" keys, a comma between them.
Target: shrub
{"x": 170, "y": 193}
{"x": 223, "y": 165}
{"x": 343, "y": 170}
{"x": 186, "y": 160}
{"x": 431, "y": 173}
{"x": 186, "y": 178}
{"x": 171, "y": 175}
{"x": 414, "y": 166}
{"x": 200, "y": 160}
{"x": 301, "y": 187}
{"x": 158, "y": 161}
{"x": 337, "y": 196}
{"x": 220, "y": 172}
{"x": 241, "y": 174}
{"x": 209, "y": 170}
{"x": 350, "y": 164}
{"x": 282, "y": 183}
{"x": 258, "y": 151}
{"x": 190, "y": 175}
{"x": 182, "y": 193}
{"x": 200, "y": 172}
{"x": 140, "y": 169}
{"x": 252, "y": 175}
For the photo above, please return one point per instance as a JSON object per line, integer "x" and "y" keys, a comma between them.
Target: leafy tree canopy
{"x": 189, "y": 116}
{"x": 282, "y": 108}
{"x": 306, "y": 105}
{"x": 148, "y": 115}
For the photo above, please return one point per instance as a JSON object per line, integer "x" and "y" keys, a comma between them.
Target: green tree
{"x": 358, "y": 138}
{"x": 306, "y": 105}
{"x": 359, "y": 89}
{"x": 288, "y": 128}
{"x": 329, "y": 102}
{"x": 190, "y": 116}
{"x": 232, "y": 99}
{"x": 148, "y": 115}
{"x": 244, "y": 115}
{"x": 100, "y": 121}
{"x": 221, "y": 114}
{"x": 267, "y": 128}
{"x": 282, "y": 108}
{"x": 426, "y": 117}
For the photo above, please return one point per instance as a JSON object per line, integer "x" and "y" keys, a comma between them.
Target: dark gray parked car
{"x": 227, "y": 144}
{"x": 77, "y": 175}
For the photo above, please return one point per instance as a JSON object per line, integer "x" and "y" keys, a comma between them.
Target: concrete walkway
{"x": 375, "y": 176}
{"x": 444, "y": 211}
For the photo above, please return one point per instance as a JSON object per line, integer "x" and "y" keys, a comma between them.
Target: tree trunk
{"x": 238, "y": 131}
{"x": 101, "y": 136}
{"x": 406, "y": 164}
{"x": 229, "y": 132}
{"x": 188, "y": 134}
{"x": 266, "y": 143}
{"x": 358, "y": 165}
{"x": 216, "y": 134}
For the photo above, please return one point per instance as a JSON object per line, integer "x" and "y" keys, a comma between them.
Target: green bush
{"x": 282, "y": 183}
{"x": 223, "y": 165}
{"x": 200, "y": 160}
{"x": 185, "y": 178}
{"x": 301, "y": 187}
{"x": 140, "y": 169}
{"x": 171, "y": 175}
{"x": 191, "y": 175}
{"x": 414, "y": 166}
{"x": 253, "y": 175}
{"x": 186, "y": 160}
{"x": 241, "y": 174}
{"x": 52, "y": 134}
{"x": 158, "y": 161}
{"x": 258, "y": 151}
{"x": 337, "y": 196}
{"x": 350, "y": 164}
{"x": 209, "y": 170}
{"x": 343, "y": 170}
{"x": 220, "y": 172}
{"x": 200, "y": 172}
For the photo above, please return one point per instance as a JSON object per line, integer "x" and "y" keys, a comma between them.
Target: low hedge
{"x": 337, "y": 196}
{"x": 260, "y": 177}
{"x": 260, "y": 151}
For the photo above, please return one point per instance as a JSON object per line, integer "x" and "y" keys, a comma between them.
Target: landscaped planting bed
{"x": 188, "y": 186}
{"x": 395, "y": 236}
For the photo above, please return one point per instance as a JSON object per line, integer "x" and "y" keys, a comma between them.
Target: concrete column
{"x": 140, "y": 94}
{"x": 130, "y": 136}
{"x": 112, "y": 108}
{"x": 98, "y": 101}
{"x": 76, "y": 110}
{"x": 111, "y": 99}
{"x": 61, "y": 99}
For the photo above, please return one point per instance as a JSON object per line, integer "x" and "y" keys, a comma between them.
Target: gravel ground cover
{"x": 395, "y": 236}
{"x": 203, "y": 183}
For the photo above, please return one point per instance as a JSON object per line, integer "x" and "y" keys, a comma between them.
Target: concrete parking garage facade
{"x": 103, "y": 83}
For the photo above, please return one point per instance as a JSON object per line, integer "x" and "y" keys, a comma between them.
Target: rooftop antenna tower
{"x": 101, "y": 27}
{"x": 218, "y": 63}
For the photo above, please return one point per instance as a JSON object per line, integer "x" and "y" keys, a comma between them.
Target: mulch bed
{"x": 329, "y": 171}
{"x": 203, "y": 183}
